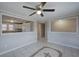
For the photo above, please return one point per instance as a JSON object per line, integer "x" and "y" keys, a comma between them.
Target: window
{"x": 4, "y": 27}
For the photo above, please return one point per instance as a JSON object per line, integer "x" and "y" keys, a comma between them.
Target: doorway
{"x": 42, "y": 32}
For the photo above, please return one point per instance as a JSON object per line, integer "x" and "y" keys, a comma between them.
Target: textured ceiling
{"x": 62, "y": 9}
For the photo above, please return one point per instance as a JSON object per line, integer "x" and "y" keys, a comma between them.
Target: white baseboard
{"x": 16, "y": 48}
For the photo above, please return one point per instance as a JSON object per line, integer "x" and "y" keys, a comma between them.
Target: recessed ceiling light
{"x": 61, "y": 21}
{"x": 11, "y": 21}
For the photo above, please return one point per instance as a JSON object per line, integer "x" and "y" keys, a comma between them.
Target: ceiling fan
{"x": 39, "y": 9}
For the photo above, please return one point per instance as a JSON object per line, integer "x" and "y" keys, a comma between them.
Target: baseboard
{"x": 16, "y": 48}
{"x": 62, "y": 44}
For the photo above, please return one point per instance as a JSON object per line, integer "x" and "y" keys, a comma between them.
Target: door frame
{"x": 39, "y": 22}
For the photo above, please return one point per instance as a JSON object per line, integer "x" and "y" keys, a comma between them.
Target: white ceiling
{"x": 62, "y": 9}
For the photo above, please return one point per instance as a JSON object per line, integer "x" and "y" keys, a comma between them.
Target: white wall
{"x": 0, "y": 24}
{"x": 70, "y": 39}
{"x": 66, "y": 39}
{"x": 12, "y": 41}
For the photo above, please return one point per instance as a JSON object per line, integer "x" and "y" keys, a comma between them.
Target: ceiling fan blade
{"x": 42, "y": 14}
{"x": 48, "y": 10}
{"x": 43, "y": 3}
{"x": 29, "y": 8}
{"x": 32, "y": 13}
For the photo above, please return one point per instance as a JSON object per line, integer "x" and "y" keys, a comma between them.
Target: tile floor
{"x": 29, "y": 50}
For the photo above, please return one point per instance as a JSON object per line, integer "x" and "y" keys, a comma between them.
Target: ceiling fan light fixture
{"x": 39, "y": 12}
{"x": 39, "y": 9}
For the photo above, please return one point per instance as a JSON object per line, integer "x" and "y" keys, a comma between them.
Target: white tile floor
{"x": 31, "y": 49}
